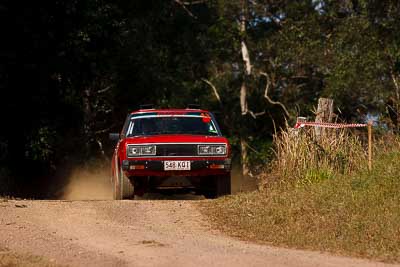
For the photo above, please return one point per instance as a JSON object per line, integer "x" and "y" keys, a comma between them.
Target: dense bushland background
{"x": 71, "y": 70}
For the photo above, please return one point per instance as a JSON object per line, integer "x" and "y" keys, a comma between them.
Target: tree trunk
{"x": 243, "y": 98}
{"x": 396, "y": 103}
{"x": 243, "y": 89}
{"x": 91, "y": 111}
{"x": 245, "y": 168}
{"x": 324, "y": 114}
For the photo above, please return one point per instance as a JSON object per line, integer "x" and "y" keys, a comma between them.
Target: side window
{"x": 126, "y": 125}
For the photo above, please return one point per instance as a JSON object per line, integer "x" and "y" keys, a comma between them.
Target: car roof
{"x": 169, "y": 111}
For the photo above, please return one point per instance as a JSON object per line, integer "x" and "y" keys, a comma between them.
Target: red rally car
{"x": 170, "y": 149}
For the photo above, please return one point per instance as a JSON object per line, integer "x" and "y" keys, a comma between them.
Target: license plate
{"x": 176, "y": 165}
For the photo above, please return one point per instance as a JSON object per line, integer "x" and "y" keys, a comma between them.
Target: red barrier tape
{"x": 329, "y": 125}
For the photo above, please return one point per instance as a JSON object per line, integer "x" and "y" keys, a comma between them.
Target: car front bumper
{"x": 151, "y": 167}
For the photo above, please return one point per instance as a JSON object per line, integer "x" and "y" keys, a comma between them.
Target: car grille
{"x": 176, "y": 150}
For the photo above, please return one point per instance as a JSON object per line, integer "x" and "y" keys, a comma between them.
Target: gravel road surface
{"x": 137, "y": 233}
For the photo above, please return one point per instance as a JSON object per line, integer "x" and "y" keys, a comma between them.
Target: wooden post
{"x": 324, "y": 114}
{"x": 370, "y": 145}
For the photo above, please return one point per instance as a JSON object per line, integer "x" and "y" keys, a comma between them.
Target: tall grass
{"x": 304, "y": 158}
{"x": 340, "y": 206}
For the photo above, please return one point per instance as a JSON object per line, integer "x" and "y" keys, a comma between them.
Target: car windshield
{"x": 156, "y": 125}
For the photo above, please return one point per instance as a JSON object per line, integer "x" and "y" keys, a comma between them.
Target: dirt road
{"x": 137, "y": 233}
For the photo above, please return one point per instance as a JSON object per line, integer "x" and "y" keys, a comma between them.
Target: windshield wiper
{"x": 174, "y": 132}
{"x": 153, "y": 133}
{"x": 202, "y": 133}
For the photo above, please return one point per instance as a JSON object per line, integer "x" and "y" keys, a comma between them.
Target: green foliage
{"x": 41, "y": 144}
{"x": 316, "y": 176}
{"x": 261, "y": 152}
{"x": 82, "y": 65}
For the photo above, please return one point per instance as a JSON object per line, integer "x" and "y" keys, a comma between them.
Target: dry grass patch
{"x": 353, "y": 217}
{"x": 350, "y": 211}
{"x": 12, "y": 259}
{"x": 303, "y": 157}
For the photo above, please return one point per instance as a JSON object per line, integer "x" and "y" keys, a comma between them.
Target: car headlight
{"x": 134, "y": 151}
{"x": 211, "y": 149}
{"x": 148, "y": 150}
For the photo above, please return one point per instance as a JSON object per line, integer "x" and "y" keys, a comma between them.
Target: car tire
{"x": 123, "y": 187}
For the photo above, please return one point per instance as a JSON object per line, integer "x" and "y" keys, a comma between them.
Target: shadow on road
{"x": 175, "y": 196}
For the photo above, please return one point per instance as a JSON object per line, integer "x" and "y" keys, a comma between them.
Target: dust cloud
{"x": 95, "y": 184}
{"x": 88, "y": 185}
{"x": 240, "y": 183}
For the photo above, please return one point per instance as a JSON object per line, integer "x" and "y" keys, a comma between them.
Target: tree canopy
{"x": 71, "y": 70}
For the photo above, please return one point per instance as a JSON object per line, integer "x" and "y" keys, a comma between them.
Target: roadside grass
{"x": 12, "y": 259}
{"x": 302, "y": 157}
{"x": 353, "y": 213}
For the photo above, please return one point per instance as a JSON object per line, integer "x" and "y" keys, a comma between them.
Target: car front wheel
{"x": 123, "y": 187}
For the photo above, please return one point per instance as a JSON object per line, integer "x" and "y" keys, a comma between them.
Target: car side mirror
{"x": 114, "y": 136}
